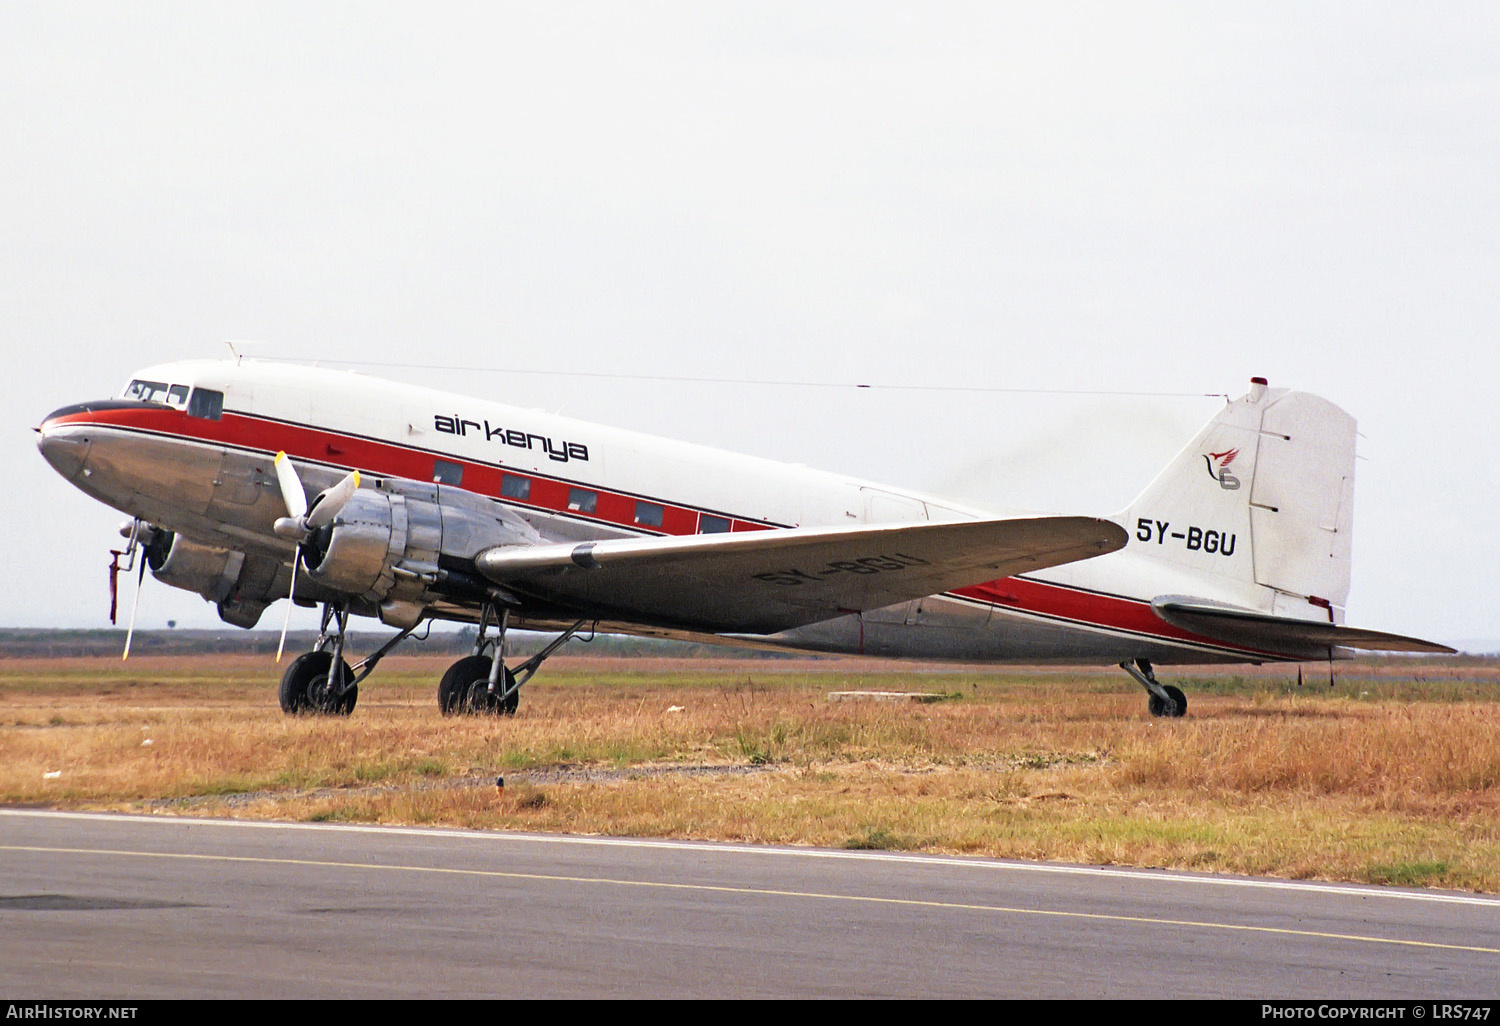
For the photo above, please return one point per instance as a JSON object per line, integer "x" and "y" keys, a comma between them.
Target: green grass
{"x": 878, "y": 839}
{"x": 1408, "y": 874}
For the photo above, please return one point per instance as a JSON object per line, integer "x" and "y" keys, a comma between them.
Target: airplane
{"x": 428, "y": 505}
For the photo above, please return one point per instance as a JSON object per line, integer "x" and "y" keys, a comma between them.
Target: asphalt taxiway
{"x": 113, "y": 906}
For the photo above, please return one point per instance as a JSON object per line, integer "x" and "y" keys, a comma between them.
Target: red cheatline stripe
{"x": 1093, "y": 608}
{"x": 395, "y": 460}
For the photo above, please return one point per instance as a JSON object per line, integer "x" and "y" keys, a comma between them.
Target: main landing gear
{"x": 1161, "y": 699}
{"x": 481, "y": 684}
{"x": 322, "y": 681}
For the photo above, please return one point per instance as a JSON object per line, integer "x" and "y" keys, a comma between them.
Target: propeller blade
{"x": 139, "y": 582}
{"x": 332, "y": 501}
{"x": 292, "y": 492}
{"x": 290, "y": 591}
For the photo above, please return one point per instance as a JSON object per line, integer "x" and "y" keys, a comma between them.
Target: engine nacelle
{"x": 240, "y": 585}
{"x": 385, "y": 546}
{"x": 383, "y": 554}
{"x": 355, "y": 554}
{"x": 211, "y": 572}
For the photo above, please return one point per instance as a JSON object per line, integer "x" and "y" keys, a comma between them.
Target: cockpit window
{"x": 147, "y": 391}
{"x": 171, "y": 395}
{"x": 206, "y": 403}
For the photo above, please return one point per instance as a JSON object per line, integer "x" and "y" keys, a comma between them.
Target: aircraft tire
{"x": 305, "y": 680}
{"x": 1177, "y": 708}
{"x": 464, "y": 690}
{"x": 1179, "y": 702}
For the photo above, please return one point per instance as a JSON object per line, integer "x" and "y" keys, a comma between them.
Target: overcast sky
{"x": 1104, "y": 197}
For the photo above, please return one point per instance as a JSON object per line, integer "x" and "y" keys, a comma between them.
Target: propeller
{"x": 140, "y": 581}
{"x": 144, "y": 544}
{"x": 291, "y": 487}
{"x": 301, "y": 519}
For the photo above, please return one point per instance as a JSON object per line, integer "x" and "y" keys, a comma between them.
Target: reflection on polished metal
{"x": 67, "y": 449}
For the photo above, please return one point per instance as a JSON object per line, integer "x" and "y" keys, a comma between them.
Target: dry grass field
{"x": 1392, "y": 775}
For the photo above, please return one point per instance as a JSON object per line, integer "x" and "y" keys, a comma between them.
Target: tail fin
{"x": 1259, "y": 506}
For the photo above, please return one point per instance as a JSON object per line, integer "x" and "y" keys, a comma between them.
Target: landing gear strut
{"x": 481, "y": 684}
{"x": 1161, "y": 699}
{"x": 321, "y": 681}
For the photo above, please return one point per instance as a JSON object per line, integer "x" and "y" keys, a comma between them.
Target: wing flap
{"x": 767, "y": 581}
{"x": 1280, "y": 633}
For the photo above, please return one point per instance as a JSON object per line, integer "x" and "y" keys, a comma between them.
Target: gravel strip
{"x": 555, "y": 775}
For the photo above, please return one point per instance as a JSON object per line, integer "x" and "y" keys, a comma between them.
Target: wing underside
{"x": 767, "y": 581}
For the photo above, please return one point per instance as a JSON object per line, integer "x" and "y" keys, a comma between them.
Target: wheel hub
{"x": 321, "y": 694}
{"x": 477, "y": 697}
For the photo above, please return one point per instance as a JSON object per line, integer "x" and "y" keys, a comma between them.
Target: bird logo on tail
{"x": 1218, "y": 468}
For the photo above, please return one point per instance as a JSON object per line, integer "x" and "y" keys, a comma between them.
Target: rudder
{"x": 1260, "y": 504}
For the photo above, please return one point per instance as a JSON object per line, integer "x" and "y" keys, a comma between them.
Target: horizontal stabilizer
{"x": 1280, "y": 634}
{"x": 767, "y": 581}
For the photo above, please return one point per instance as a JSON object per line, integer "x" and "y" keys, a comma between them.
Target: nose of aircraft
{"x": 63, "y": 445}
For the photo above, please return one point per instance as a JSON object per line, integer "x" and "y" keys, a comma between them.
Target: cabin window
{"x": 581, "y": 500}
{"x": 513, "y": 486}
{"x": 444, "y": 472}
{"x": 206, "y": 403}
{"x": 710, "y": 524}
{"x": 648, "y": 514}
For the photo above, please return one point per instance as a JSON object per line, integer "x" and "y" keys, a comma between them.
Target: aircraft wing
{"x": 1278, "y": 633}
{"x": 767, "y": 581}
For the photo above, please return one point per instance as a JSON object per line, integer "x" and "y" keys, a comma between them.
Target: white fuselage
{"x": 206, "y": 474}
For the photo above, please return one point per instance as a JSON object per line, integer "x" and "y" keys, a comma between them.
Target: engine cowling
{"x": 385, "y": 546}
{"x": 357, "y": 552}
{"x": 381, "y": 555}
{"x": 211, "y": 572}
{"x": 240, "y": 585}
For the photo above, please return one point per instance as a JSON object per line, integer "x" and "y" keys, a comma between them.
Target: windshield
{"x": 147, "y": 391}
{"x": 157, "y": 392}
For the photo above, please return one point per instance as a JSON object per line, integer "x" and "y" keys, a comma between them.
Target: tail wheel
{"x": 1177, "y": 707}
{"x": 305, "y": 687}
{"x": 465, "y": 690}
